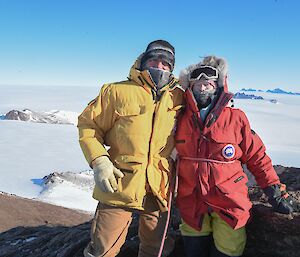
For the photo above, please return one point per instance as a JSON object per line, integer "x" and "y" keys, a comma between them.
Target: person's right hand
{"x": 105, "y": 174}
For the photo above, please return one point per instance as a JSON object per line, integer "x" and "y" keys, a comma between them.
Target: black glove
{"x": 281, "y": 201}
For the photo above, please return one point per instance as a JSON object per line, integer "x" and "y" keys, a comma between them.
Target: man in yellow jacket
{"x": 135, "y": 118}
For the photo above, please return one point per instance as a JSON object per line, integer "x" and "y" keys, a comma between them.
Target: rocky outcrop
{"x": 269, "y": 234}
{"x": 44, "y": 241}
{"x": 273, "y": 234}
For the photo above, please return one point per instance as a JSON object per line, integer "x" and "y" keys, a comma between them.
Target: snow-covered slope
{"x": 277, "y": 124}
{"x": 69, "y": 189}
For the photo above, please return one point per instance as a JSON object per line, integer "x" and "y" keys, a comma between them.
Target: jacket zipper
{"x": 150, "y": 140}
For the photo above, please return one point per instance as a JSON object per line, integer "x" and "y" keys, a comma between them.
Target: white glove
{"x": 105, "y": 174}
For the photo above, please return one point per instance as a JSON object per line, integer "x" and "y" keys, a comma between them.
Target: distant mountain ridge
{"x": 273, "y": 91}
{"x": 50, "y": 117}
{"x": 239, "y": 95}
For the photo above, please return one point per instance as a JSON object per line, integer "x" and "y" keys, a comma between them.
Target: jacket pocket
{"x": 131, "y": 128}
{"x": 234, "y": 183}
{"x": 129, "y": 163}
{"x": 131, "y": 188}
{"x": 226, "y": 137}
{"x": 224, "y": 146}
{"x": 232, "y": 195}
{"x": 229, "y": 136}
{"x": 131, "y": 109}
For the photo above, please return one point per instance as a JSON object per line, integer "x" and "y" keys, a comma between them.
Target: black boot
{"x": 197, "y": 246}
{"x": 214, "y": 252}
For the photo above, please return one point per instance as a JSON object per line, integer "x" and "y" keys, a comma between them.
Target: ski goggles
{"x": 208, "y": 72}
{"x": 206, "y": 83}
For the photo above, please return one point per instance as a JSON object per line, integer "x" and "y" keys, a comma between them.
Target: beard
{"x": 204, "y": 98}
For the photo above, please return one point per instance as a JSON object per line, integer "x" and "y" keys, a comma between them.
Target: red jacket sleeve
{"x": 255, "y": 157}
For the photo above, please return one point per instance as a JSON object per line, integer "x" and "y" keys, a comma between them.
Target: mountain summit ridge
{"x": 273, "y": 91}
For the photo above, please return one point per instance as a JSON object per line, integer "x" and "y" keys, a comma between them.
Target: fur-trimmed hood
{"x": 219, "y": 63}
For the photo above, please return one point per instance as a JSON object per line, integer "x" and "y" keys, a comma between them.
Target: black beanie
{"x": 159, "y": 49}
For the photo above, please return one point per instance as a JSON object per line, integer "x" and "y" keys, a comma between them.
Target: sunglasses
{"x": 207, "y": 72}
{"x": 159, "y": 59}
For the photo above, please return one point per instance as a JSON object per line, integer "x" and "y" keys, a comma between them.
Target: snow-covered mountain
{"x": 280, "y": 91}
{"x": 249, "y": 89}
{"x": 242, "y": 95}
{"x": 239, "y": 95}
{"x": 51, "y": 117}
{"x": 274, "y": 91}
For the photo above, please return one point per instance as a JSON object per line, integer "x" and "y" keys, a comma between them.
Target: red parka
{"x": 210, "y": 158}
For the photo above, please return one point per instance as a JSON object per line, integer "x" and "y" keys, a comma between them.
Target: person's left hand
{"x": 280, "y": 200}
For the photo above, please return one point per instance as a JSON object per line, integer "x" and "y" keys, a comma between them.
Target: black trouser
{"x": 201, "y": 246}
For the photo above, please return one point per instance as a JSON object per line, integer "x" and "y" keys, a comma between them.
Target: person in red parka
{"x": 213, "y": 140}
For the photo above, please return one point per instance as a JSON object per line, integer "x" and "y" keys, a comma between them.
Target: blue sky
{"x": 89, "y": 42}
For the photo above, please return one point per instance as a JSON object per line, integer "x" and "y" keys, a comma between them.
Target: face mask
{"x": 204, "y": 98}
{"x": 159, "y": 77}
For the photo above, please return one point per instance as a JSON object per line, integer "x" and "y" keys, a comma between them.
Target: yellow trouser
{"x": 227, "y": 240}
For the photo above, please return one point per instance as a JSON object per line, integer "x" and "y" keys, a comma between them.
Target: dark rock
{"x": 272, "y": 234}
{"x": 273, "y": 101}
{"x": 17, "y": 115}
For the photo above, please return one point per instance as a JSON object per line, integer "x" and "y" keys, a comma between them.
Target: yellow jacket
{"x": 139, "y": 131}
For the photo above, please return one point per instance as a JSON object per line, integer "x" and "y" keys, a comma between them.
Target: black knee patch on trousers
{"x": 214, "y": 252}
{"x": 201, "y": 246}
{"x": 195, "y": 246}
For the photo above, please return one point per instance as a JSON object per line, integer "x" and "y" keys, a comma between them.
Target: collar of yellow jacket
{"x": 144, "y": 79}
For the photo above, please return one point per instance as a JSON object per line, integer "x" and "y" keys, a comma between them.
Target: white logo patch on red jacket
{"x": 228, "y": 151}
